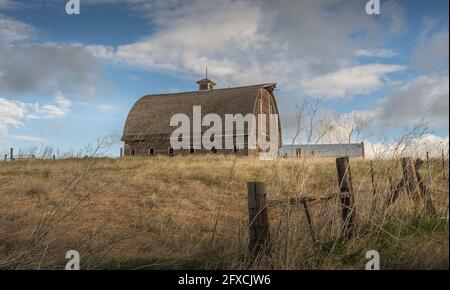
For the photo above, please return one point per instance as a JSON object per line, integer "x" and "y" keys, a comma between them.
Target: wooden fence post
{"x": 11, "y": 154}
{"x": 416, "y": 185}
{"x": 54, "y": 157}
{"x": 347, "y": 199}
{"x": 430, "y": 176}
{"x": 310, "y": 222}
{"x": 6, "y": 156}
{"x": 443, "y": 159}
{"x": 258, "y": 219}
{"x": 363, "y": 150}
{"x": 121, "y": 152}
{"x": 443, "y": 164}
{"x": 410, "y": 178}
{"x": 394, "y": 192}
{"x": 372, "y": 175}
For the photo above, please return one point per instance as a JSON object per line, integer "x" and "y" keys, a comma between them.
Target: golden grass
{"x": 190, "y": 212}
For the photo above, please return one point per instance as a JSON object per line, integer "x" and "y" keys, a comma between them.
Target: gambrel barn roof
{"x": 150, "y": 116}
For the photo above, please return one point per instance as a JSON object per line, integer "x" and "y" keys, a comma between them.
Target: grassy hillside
{"x": 191, "y": 213}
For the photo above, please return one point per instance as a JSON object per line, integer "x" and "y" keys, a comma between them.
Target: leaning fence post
{"x": 430, "y": 176}
{"x": 415, "y": 184}
{"x": 310, "y": 222}
{"x": 347, "y": 199}
{"x": 258, "y": 219}
{"x": 410, "y": 178}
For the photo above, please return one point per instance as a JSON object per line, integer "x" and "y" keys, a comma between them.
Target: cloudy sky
{"x": 68, "y": 80}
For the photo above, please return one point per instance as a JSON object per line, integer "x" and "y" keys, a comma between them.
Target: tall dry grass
{"x": 191, "y": 213}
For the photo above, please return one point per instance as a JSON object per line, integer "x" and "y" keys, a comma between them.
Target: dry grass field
{"x": 191, "y": 213}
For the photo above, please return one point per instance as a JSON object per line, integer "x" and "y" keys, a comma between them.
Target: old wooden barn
{"x": 147, "y": 129}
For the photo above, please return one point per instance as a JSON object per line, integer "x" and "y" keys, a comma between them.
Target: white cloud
{"x": 348, "y": 82}
{"x": 107, "y": 108}
{"x": 38, "y": 68}
{"x": 45, "y": 68}
{"x": 241, "y": 41}
{"x": 17, "y": 113}
{"x": 432, "y": 52}
{"x": 246, "y": 42}
{"x": 9, "y": 4}
{"x": 425, "y": 98}
{"x": 61, "y": 101}
{"x": 422, "y": 101}
{"x": 12, "y": 30}
{"x": 25, "y": 138}
{"x": 188, "y": 43}
{"x": 11, "y": 114}
{"x": 45, "y": 112}
{"x": 101, "y": 51}
{"x": 393, "y": 16}
{"x": 377, "y": 52}
{"x": 417, "y": 148}
{"x": 352, "y": 127}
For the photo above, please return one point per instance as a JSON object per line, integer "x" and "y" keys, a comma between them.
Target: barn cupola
{"x": 206, "y": 84}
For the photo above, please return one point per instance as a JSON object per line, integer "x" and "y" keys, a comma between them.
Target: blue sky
{"x": 68, "y": 80}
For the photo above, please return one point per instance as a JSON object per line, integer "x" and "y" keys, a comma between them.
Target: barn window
{"x": 171, "y": 151}
{"x": 132, "y": 152}
{"x": 151, "y": 151}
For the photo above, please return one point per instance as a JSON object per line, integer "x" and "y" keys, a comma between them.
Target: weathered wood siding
{"x": 140, "y": 144}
